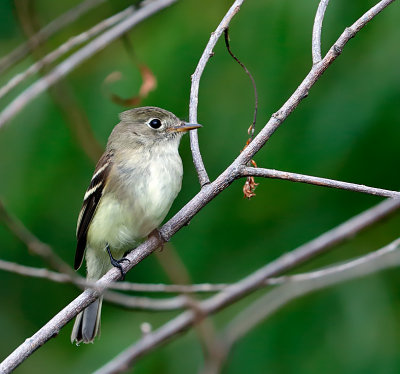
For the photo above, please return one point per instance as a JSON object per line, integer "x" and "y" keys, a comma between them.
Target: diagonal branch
{"x": 303, "y": 284}
{"x": 294, "y": 177}
{"x": 296, "y": 286}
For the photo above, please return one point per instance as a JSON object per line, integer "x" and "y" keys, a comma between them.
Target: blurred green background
{"x": 347, "y": 129}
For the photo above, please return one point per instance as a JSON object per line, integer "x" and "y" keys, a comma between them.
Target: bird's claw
{"x": 117, "y": 263}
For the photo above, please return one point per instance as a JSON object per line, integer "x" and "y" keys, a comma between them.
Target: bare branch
{"x": 65, "y": 48}
{"x": 28, "y": 271}
{"x": 169, "y": 288}
{"x": 294, "y": 177}
{"x": 47, "y": 31}
{"x": 129, "y": 302}
{"x": 194, "y": 90}
{"x": 79, "y": 57}
{"x": 147, "y": 303}
{"x": 303, "y": 284}
{"x": 207, "y": 193}
{"x": 316, "y": 35}
{"x": 286, "y": 262}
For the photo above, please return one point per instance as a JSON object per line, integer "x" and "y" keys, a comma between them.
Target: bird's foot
{"x": 117, "y": 263}
{"x": 159, "y": 236}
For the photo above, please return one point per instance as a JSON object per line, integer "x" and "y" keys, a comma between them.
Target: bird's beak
{"x": 184, "y": 127}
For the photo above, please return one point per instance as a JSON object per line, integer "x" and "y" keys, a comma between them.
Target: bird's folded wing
{"x": 90, "y": 203}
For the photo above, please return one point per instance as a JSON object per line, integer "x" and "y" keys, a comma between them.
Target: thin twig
{"x": 169, "y": 288}
{"x": 294, "y": 177}
{"x": 146, "y": 303}
{"x": 252, "y": 127}
{"x": 316, "y": 35}
{"x": 65, "y": 48}
{"x": 28, "y": 271}
{"x": 206, "y": 194}
{"x": 194, "y": 90}
{"x": 250, "y": 185}
{"x": 42, "y": 273}
{"x": 79, "y": 57}
{"x": 47, "y": 31}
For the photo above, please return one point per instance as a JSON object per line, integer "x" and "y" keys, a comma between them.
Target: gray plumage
{"x": 132, "y": 189}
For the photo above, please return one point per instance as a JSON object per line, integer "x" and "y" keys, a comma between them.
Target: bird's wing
{"x": 90, "y": 203}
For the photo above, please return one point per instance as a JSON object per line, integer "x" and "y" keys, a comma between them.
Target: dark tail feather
{"x": 87, "y": 323}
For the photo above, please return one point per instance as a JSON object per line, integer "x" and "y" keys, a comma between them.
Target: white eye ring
{"x": 155, "y": 123}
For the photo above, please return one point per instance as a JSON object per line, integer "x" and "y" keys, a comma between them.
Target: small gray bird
{"x": 132, "y": 189}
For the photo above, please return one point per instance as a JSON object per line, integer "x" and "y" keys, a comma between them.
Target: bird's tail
{"x": 87, "y": 323}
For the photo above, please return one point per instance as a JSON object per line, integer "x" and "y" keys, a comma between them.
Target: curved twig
{"x": 316, "y": 35}
{"x": 194, "y": 90}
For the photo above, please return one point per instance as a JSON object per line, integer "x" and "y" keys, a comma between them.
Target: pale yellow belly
{"x": 144, "y": 199}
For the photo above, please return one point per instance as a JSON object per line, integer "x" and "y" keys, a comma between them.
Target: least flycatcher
{"x": 131, "y": 191}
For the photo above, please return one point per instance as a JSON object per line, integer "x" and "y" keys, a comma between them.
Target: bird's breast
{"x": 141, "y": 191}
{"x": 156, "y": 188}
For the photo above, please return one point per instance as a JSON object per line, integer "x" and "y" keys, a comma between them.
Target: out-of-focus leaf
{"x": 149, "y": 83}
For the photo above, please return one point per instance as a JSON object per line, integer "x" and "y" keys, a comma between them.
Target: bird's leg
{"x": 156, "y": 232}
{"x": 116, "y": 263}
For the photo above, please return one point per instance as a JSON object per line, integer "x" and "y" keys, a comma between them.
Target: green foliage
{"x": 347, "y": 129}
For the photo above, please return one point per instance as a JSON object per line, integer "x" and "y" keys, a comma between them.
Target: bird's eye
{"x": 155, "y": 123}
